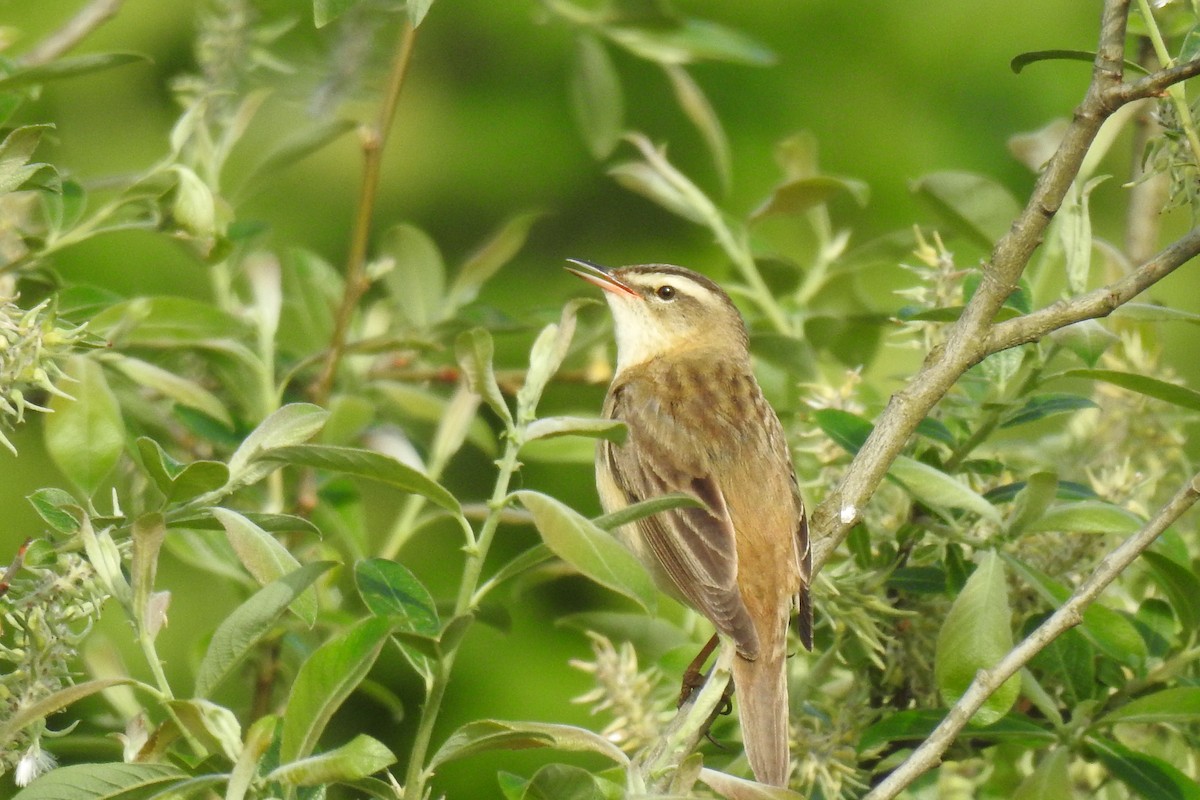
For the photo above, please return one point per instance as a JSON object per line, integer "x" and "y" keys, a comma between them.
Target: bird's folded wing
{"x": 695, "y": 547}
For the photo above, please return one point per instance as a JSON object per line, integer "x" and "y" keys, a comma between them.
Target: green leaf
{"x": 596, "y": 96}
{"x": 1023, "y": 60}
{"x": 690, "y": 40}
{"x": 1181, "y": 587}
{"x": 589, "y": 549}
{"x": 474, "y": 349}
{"x": 1179, "y": 705}
{"x": 15, "y": 152}
{"x": 640, "y": 177}
{"x": 849, "y": 430}
{"x": 358, "y": 758}
{"x": 915, "y": 725}
{"x": 163, "y": 322}
{"x": 389, "y": 589}
{"x": 549, "y": 350}
{"x": 1073, "y": 224}
{"x": 174, "y": 387}
{"x": 977, "y": 207}
{"x": 147, "y": 533}
{"x": 492, "y": 734}
{"x": 290, "y": 425}
{"x": 53, "y": 702}
{"x": 563, "y": 782}
{"x": 1050, "y": 779}
{"x": 645, "y": 508}
{"x": 417, "y": 281}
{"x": 695, "y": 105}
{"x": 177, "y": 481}
{"x": 325, "y": 680}
{"x": 85, "y": 436}
{"x": 241, "y": 630}
{"x": 311, "y": 292}
{"x": 1032, "y": 500}
{"x": 67, "y": 67}
{"x": 497, "y": 251}
{"x": 214, "y": 726}
{"x": 1142, "y": 384}
{"x": 590, "y": 427}
{"x": 1146, "y": 775}
{"x": 918, "y": 580}
{"x": 114, "y": 781}
{"x": 1087, "y": 339}
{"x": 939, "y": 490}
{"x": 265, "y": 558}
{"x": 51, "y": 505}
{"x": 366, "y": 464}
{"x": 798, "y": 195}
{"x": 975, "y": 635}
{"x": 1092, "y": 516}
{"x": 1044, "y": 405}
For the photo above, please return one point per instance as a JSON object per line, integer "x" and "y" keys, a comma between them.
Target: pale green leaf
{"x": 113, "y": 781}
{"x": 85, "y": 436}
{"x": 939, "y": 490}
{"x": 549, "y": 350}
{"x": 358, "y": 758}
{"x": 290, "y": 425}
{"x": 265, "y": 558}
{"x": 474, "y": 349}
{"x": 590, "y": 427}
{"x": 1179, "y": 705}
{"x": 325, "y": 680}
{"x": 67, "y": 67}
{"x": 492, "y": 734}
{"x": 1089, "y": 516}
{"x": 977, "y": 207}
{"x": 1050, "y": 779}
{"x": 214, "y": 726}
{"x": 596, "y": 96}
{"x": 975, "y": 635}
{"x": 493, "y": 254}
{"x": 53, "y": 702}
{"x": 366, "y": 464}
{"x": 174, "y": 387}
{"x": 241, "y": 630}
{"x": 694, "y": 102}
{"x": 417, "y": 280}
{"x": 589, "y": 549}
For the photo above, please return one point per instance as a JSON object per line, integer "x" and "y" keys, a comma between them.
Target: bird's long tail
{"x": 762, "y": 698}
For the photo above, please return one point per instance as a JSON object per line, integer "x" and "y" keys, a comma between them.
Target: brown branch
{"x": 72, "y": 32}
{"x": 1158, "y": 82}
{"x": 965, "y": 343}
{"x": 1096, "y": 303}
{"x": 373, "y": 140}
{"x": 1068, "y": 615}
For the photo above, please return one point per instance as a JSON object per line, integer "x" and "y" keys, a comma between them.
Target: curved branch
{"x": 964, "y": 345}
{"x": 1096, "y": 303}
{"x": 929, "y": 754}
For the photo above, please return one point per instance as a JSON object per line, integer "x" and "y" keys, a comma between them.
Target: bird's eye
{"x": 665, "y": 292}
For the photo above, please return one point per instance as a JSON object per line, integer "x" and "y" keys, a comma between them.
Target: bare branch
{"x": 1158, "y": 82}
{"x": 74, "y": 31}
{"x": 964, "y": 345}
{"x": 1096, "y": 303}
{"x": 929, "y": 754}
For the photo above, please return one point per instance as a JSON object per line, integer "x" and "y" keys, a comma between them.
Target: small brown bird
{"x": 698, "y": 423}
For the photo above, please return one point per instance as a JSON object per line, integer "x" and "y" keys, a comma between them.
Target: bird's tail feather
{"x": 762, "y": 699}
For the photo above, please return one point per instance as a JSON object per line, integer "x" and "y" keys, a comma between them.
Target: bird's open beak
{"x": 602, "y": 277}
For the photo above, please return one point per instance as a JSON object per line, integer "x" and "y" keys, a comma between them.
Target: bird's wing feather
{"x": 695, "y": 548}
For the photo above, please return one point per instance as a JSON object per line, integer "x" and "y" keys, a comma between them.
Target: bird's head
{"x": 659, "y": 310}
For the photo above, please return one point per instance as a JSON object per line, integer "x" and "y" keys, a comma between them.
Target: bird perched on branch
{"x": 698, "y": 424}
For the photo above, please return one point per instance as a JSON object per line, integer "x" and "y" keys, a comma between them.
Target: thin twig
{"x": 373, "y": 140}
{"x": 72, "y": 32}
{"x": 1154, "y": 84}
{"x": 1070, "y": 614}
{"x": 1096, "y": 303}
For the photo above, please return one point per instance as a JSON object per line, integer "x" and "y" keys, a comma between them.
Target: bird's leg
{"x": 693, "y": 679}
